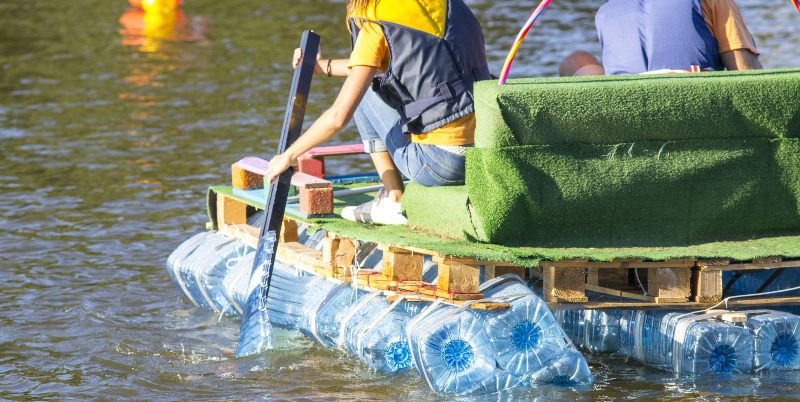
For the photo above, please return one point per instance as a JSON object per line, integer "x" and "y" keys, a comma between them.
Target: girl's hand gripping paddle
{"x": 255, "y": 332}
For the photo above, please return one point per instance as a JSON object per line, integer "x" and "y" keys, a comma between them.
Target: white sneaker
{"x": 381, "y": 210}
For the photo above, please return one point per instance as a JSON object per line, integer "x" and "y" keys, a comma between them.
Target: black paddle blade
{"x": 255, "y": 332}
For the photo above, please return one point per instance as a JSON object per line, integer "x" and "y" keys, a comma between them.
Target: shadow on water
{"x": 112, "y": 124}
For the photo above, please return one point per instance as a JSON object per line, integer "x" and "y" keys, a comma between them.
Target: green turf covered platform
{"x": 652, "y": 161}
{"x": 786, "y": 247}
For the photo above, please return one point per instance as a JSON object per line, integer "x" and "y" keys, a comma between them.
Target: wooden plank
{"x": 246, "y": 234}
{"x": 402, "y": 265}
{"x": 426, "y": 298}
{"x": 346, "y": 253}
{"x": 736, "y": 318}
{"x": 230, "y": 211}
{"x": 619, "y": 264}
{"x": 455, "y": 276}
{"x": 754, "y": 266}
{"x": 707, "y": 286}
{"x": 336, "y": 150}
{"x": 289, "y": 231}
{"x": 330, "y": 245}
{"x": 736, "y": 303}
{"x": 420, "y": 287}
{"x": 501, "y": 269}
{"x": 566, "y": 284}
{"x": 669, "y": 283}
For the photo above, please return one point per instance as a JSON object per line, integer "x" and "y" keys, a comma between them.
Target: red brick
{"x": 316, "y": 201}
{"x": 312, "y": 166}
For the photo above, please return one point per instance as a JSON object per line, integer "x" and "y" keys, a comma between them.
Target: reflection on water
{"x": 112, "y": 123}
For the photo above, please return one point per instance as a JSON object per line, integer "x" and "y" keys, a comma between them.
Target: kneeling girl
{"x": 409, "y": 88}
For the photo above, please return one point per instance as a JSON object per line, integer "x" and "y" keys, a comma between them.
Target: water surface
{"x": 112, "y": 124}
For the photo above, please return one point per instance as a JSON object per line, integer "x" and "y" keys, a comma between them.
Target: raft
{"x": 653, "y": 217}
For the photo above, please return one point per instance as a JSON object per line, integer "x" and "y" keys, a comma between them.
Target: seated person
{"x": 409, "y": 89}
{"x": 649, "y": 35}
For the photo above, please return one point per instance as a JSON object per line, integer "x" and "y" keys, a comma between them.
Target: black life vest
{"x": 430, "y": 79}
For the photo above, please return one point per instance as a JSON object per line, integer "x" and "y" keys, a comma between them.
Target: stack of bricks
{"x": 316, "y": 194}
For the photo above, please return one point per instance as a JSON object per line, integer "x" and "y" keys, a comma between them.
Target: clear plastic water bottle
{"x": 452, "y": 351}
{"x": 686, "y": 343}
{"x": 331, "y": 314}
{"x": 526, "y": 337}
{"x": 385, "y": 347}
{"x": 568, "y": 369}
{"x": 375, "y": 332}
{"x": 183, "y": 251}
{"x": 237, "y": 281}
{"x": 206, "y": 264}
{"x": 777, "y": 340}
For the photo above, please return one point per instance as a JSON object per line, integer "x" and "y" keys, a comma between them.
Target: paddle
{"x": 255, "y": 332}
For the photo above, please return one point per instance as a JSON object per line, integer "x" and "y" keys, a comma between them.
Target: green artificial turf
{"x": 645, "y": 194}
{"x": 439, "y": 210}
{"x": 787, "y": 247}
{"x": 623, "y": 109}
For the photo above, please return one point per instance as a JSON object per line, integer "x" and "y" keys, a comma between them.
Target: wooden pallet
{"x": 679, "y": 283}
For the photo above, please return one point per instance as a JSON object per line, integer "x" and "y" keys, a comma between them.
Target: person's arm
{"x": 338, "y": 68}
{"x": 330, "y": 122}
{"x": 737, "y": 47}
{"x": 740, "y": 59}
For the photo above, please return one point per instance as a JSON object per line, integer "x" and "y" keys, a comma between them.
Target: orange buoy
{"x": 146, "y": 4}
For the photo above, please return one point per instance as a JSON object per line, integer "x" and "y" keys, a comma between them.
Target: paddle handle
{"x": 292, "y": 128}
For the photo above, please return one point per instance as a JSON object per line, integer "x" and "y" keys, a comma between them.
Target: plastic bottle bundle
{"x": 374, "y": 330}
{"x": 570, "y": 368}
{"x": 452, "y": 351}
{"x": 236, "y": 282}
{"x": 748, "y": 282}
{"x": 526, "y": 336}
{"x": 595, "y": 331}
{"x": 686, "y": 343}
{"x": 777, "y": 340}
{"x": 291, "y": 295}
{"x": 202, "y": 272}
{"x": 331, "y": 313}
{"x": 184, "y": 250}
{"x": 314, "y": 297}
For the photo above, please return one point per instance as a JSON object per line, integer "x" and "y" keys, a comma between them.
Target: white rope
{"x": 636, "y": 272}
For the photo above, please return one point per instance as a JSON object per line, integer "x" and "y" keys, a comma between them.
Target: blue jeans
{"x": 381, "y": 131}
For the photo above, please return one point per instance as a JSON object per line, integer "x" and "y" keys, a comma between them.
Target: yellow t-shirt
{"x": 371, "y": 50}
{"x": 727, "y": 25}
